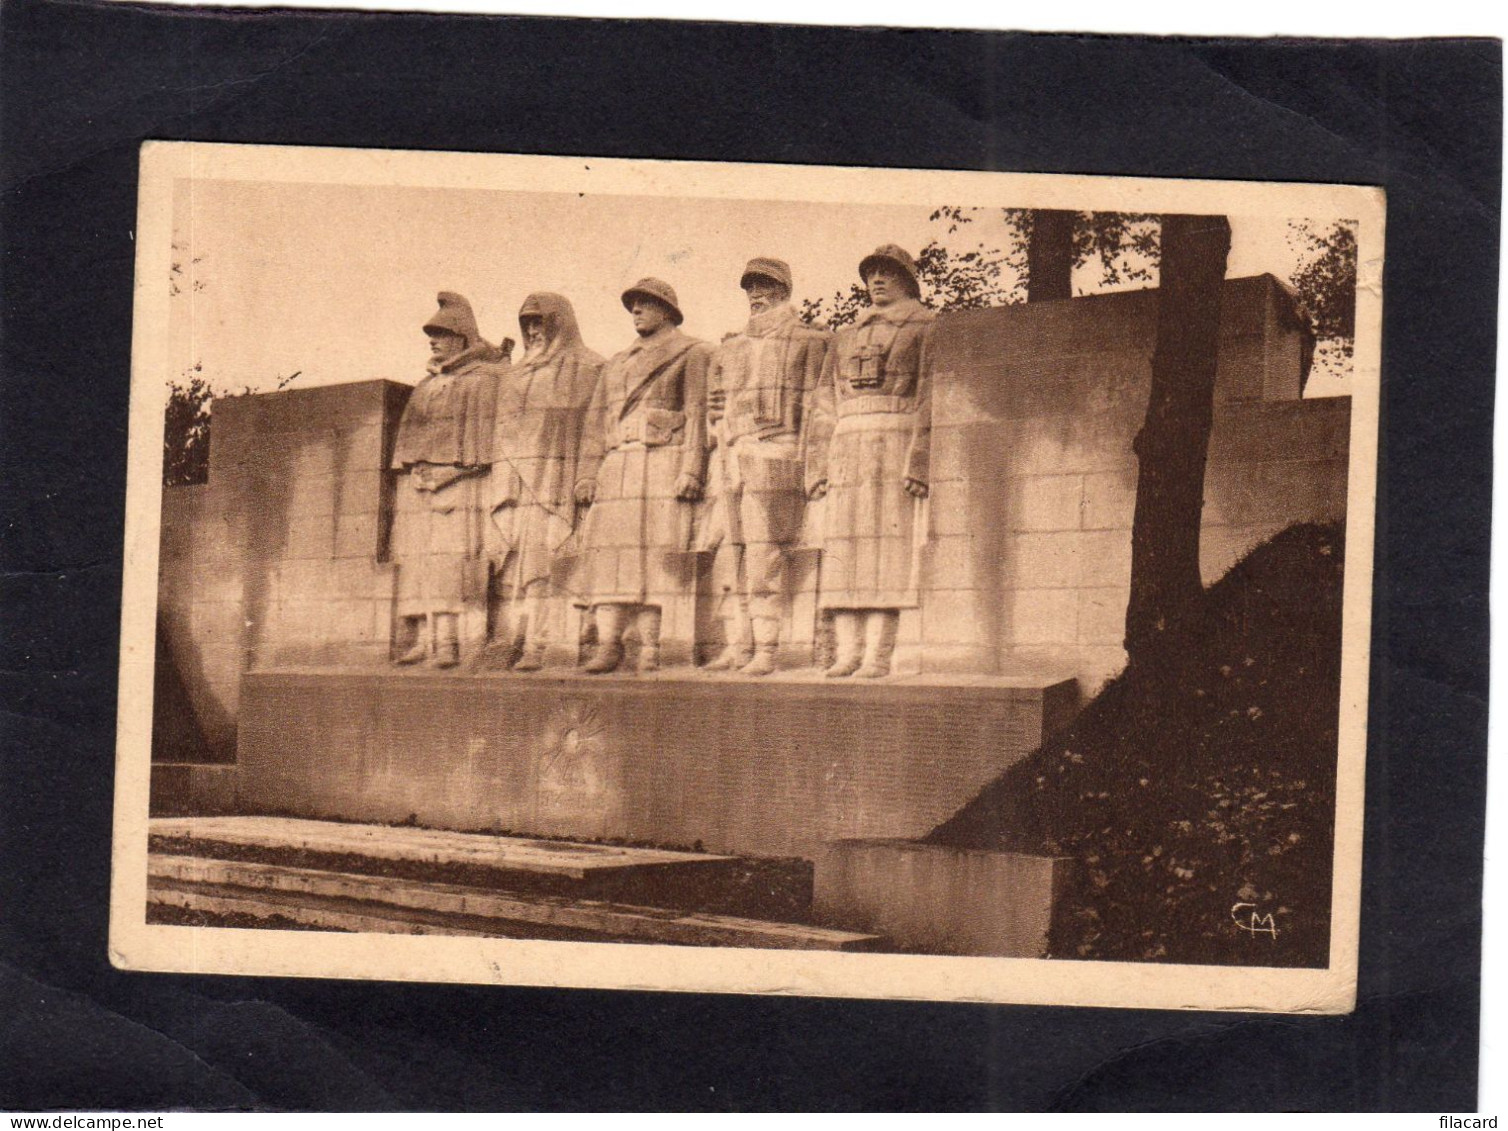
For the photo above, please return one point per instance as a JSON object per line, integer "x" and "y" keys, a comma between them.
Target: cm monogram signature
{"x": 1246, "y": 918}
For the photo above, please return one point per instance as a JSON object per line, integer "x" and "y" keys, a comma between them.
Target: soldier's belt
{"x": 773, "y": 435}
{"x": 652, "y": 427}
{"x": 768, "y": 445}
{"x": 862, "y": 406}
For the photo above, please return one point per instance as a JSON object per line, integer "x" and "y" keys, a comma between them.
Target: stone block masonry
{"x": 279, "y": 557}
{"x": 1034, "y": 476}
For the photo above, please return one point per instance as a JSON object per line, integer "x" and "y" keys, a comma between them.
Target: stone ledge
{"x": 791, "y": 682}
{"x": 365, "y": 904}
{"x": 939, "y": 900}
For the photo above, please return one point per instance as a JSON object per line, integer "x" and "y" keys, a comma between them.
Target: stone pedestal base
{"x": 939, "y": 900}
{"x": 770, "y": 767}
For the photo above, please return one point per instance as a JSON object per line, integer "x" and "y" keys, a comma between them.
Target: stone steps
{"x": 373, "y": 878}
{"x": 591, "y": 871}
{"x": 370, "y": 903}
{"x": 441, "y": 847}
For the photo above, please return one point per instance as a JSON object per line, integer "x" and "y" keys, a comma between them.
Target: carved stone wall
{"x": 280, "y": 559}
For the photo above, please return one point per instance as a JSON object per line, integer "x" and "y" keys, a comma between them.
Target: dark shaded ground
{"x": 1197, "y": 781}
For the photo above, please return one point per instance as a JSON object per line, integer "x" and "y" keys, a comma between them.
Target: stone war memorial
{"x": 615, "y": 624}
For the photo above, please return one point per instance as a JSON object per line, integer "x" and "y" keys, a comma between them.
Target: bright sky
{"x": 336, "y": 281}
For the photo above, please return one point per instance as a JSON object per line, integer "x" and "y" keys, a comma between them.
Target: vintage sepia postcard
{"x": 747, "y": 578}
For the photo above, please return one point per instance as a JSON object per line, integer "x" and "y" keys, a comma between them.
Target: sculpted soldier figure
{"x": 444, "y": 445}
{"x": 757, "y": 391}
{"x": 868, "y": 453}
{"x": 643, "y": 463}
{"x": 541, "y": 408}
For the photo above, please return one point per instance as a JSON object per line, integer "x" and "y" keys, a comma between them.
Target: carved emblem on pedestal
{"x": 571, "y": 754}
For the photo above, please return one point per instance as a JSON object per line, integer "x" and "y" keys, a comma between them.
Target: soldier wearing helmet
{"x": 868, "y": 454}
{"x": 643, "y": 464}
{"x": 444, "y": 448}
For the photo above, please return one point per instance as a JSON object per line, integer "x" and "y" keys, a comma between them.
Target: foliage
{"x": 186, "y": 425}
{"x": 1125, "y": 243}
{"x": 1197, "y": 783}
{"x": 185, "y": 433}
{"x": 840, "y": 310}
{"x": 950, "y": 280}
{"x": 1326, "y": 279}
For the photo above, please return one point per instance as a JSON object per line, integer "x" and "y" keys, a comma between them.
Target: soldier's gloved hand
{"x": 717, "y": 399}
{"x": 586, "y": 492}
{"x": 819, "y": 489}
{"x": 915, "y": 488}
{"x": 688, "y": 488}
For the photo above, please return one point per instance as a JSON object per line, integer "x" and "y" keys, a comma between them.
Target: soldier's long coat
{"x": 444, "y": 445}
{"x": 541, "y": 414}
{"x": 871, "y": 430}
{"x": 645, "y": 428}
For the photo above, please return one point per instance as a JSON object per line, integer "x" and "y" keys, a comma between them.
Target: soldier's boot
{"x": 447, "y": 641}
{"x": 766, "y": 639}
{"x": 608, "y": 653}
{"x": 735, "y": 654}
{"x": 533, "y": 657}
{"x": 536, "y": 636}
{"x": 879, "y": 643}
{"x": 418, "y": 652}
{"x": 649, "y": 638}
{"x": 849, "y": 647}
{"x": 739, "y": 649}
{"x": 503, "y": 649}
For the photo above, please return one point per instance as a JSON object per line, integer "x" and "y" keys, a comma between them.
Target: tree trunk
{"x": 1049, "y": 256}
{"x": 1174, "y": 439}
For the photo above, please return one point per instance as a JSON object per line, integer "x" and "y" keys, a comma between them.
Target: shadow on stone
{"x": 1196, "y": 792}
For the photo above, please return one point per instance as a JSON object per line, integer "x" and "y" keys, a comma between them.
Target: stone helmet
{"x": 659, "y": 290}
{"x": 762, "y": 267}
{"x": 897, "y": 255}
{"x": 455, "y": 316}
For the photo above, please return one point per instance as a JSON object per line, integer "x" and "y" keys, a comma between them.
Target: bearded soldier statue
{"x": 541, "y": 409}
{"x": 758, "y": 388}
